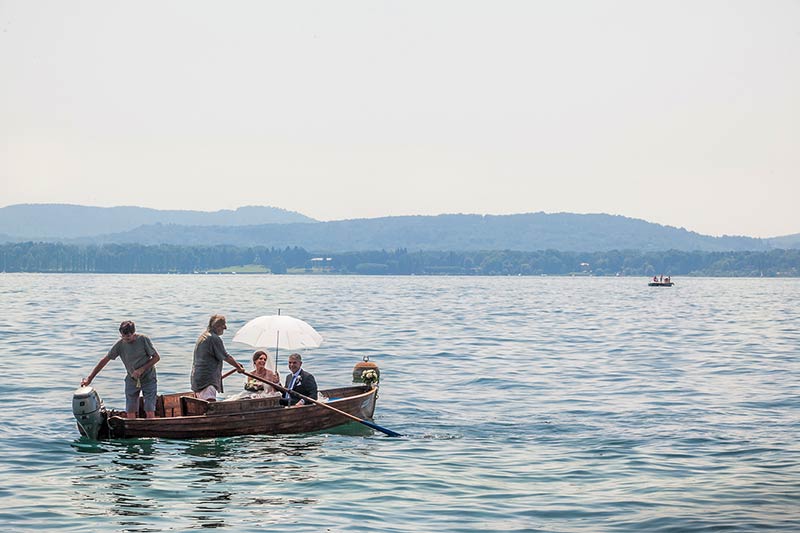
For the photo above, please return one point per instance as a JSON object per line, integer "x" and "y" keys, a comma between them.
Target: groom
{"x": 299, "y": 381}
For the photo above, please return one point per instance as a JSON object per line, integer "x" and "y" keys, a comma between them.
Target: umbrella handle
{"x": 326, "y": 406}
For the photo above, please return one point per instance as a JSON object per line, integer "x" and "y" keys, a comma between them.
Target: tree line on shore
{"x": 155, "y": 259}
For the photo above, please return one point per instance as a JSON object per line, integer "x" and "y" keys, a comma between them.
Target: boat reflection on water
{"x": 127, "y": 484}
{"x": 122, "y": 472}
{"x": 253, "y": 465}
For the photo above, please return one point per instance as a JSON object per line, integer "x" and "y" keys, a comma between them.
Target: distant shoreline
{"x": 675, "y": 279}
{"x": 172, "y": 259}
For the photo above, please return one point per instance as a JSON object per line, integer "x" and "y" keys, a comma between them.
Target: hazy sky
{"x": 684, "y": 113}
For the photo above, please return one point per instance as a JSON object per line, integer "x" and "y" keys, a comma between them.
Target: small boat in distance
{"x": 661, "y": 282}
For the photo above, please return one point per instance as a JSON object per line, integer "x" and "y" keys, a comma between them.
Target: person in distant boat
{"x": 209, "y": 353}
{"x": 140, "y": 358}
{"x": 299, "y": 381}
{"x": 655, "y": 279}
{"x": 261, "y": 370}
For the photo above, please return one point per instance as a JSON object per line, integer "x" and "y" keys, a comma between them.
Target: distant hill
{"x": 523, "y": 232}
{"x": 787, "y": 242}
{"x": 65, "y": 221}
{"x": 274, "y": 227}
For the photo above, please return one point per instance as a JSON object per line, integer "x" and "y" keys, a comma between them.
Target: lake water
{"x": 527, "y": 404}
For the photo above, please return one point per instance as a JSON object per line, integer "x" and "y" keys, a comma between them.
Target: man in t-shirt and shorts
{"x": 140, "y": 358}
{"x": 209, "y": 353}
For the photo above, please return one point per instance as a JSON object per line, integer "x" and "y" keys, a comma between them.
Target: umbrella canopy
{"x": 278, "y": 331}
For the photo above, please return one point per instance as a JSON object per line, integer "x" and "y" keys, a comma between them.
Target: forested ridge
{"x": 53, "y": 222}
{"x": 276, "y": 228}
{"x": 524, "y": 232}
{"x": 135, "y": 258}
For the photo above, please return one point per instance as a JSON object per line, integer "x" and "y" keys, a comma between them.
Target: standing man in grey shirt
{"x": 140, "y": 358}
{"x": 209, "y": 353}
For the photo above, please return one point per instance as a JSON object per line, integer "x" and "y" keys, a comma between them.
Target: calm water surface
{"x": 527, "y": 404}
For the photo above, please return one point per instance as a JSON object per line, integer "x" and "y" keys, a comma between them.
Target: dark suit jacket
{"x": 305, "y": 384}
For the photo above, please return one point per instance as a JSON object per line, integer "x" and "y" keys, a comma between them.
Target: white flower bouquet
{"x": 369, "y": 376}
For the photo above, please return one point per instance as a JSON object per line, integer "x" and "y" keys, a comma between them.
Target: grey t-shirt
{"x": 135, "y": 354}
{"x": 209, "y": 353}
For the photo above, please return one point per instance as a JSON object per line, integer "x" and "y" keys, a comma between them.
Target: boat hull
{"x": 660, "y": 284}
{"x": 195, "y": 418}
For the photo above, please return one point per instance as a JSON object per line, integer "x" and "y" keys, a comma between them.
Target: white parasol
{"x": 280, "y": 331}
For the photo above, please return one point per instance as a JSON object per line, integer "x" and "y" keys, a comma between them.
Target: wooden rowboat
{"x": 182, "y": 416}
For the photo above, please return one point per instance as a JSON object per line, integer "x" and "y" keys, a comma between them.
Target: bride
{"x": 258, "y": 389}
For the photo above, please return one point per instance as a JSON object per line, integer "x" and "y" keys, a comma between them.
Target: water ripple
{"x": 526, "y": 404}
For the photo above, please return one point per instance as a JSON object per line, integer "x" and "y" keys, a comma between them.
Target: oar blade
{"x": 376, "y": 427}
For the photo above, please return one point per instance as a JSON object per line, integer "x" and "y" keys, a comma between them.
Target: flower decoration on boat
{"x": 369, "y": 376}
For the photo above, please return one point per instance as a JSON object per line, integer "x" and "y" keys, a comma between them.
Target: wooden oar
{"x": 326, "y": 406}
{"x": 226, "y": 374}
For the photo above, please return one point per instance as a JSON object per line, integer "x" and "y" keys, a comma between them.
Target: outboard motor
{"x": 89, "y": 411}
